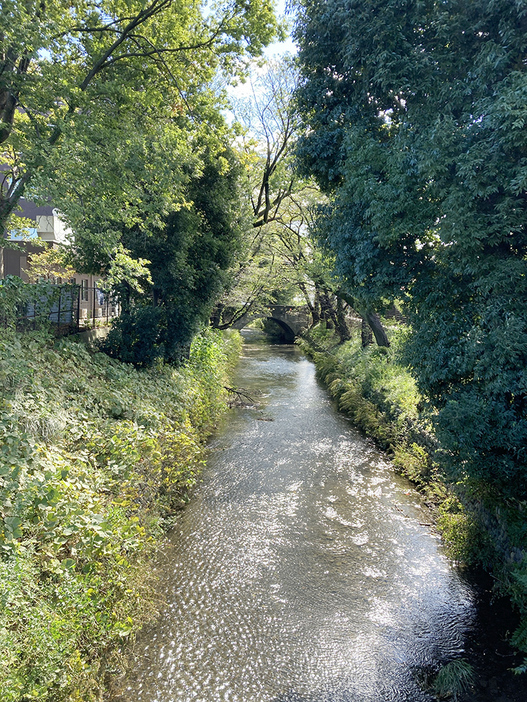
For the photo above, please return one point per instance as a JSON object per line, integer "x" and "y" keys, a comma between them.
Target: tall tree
{"x": 274, "y": 266}
{"x": 189, "y": 256}
{"x": 270, "y": 124}
{"x": 414, "y": 117}
{"x": 70, "y": 67}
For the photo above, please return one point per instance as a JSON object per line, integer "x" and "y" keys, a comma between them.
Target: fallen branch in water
{"x": 241, "y": 394}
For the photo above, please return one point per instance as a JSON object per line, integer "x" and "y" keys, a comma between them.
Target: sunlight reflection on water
{"x": 300, "y": 572}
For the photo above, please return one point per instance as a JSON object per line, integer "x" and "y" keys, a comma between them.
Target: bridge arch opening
{"x": 278, "y": 330}
{"x": 289, "y": 320}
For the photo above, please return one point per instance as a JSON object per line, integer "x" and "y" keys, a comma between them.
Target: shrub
{"x": 96, "y": 457}
{"x": 479, "y": 524}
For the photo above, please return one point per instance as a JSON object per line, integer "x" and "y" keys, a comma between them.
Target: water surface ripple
{"x": 303, "y": 570}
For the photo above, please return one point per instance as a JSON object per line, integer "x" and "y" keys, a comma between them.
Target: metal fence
{"x": 66, "y": 309}
{"x": 95, "y": 306}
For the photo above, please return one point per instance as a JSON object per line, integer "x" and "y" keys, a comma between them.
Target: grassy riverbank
{"x": 96, "y": 458}
{"x": 379, "y": 394}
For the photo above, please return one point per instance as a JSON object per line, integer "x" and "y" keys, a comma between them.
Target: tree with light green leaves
{"x": 281, "y": 262}
{"x": 73, "y": 74}
{"x": 273, "y": 266}
{"x": 112, "y": 112}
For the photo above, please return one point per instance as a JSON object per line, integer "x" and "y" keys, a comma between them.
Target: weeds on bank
{"x": 379, "y": 394}
{"x": 95, "y": 458}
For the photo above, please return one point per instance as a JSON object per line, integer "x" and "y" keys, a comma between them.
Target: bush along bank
{"x": 478, "y": 525}
{"x": 96, "y": 457}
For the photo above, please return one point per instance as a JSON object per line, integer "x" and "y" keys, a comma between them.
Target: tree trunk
{"x": 317, "y": 306}
{"x": 366, "y": 334}
{"x": 327, "y": 311}
{"x": 341, "y": 324}
{"x": 378, "y": 330}
{"x": 215, "y": 318}
{"x": 371, "y": 317}
{"x": 315, "y": 316}
{"x": 125, "y": 297}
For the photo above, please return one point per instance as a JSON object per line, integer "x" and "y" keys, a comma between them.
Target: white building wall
{"x": 52, "y": 228}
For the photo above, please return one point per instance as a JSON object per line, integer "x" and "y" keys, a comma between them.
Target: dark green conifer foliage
{"x": 415, "y": 115}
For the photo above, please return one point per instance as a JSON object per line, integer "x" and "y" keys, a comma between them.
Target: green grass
{"x": 454, "y": 679}
{"x": 96, "y": 458}
{"x": 370, "y": 385}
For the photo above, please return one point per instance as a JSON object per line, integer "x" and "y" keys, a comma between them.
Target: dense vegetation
{"x": 114, "y": 112}
{"x": 414, "y": 116}
{"x": 105, "y": 98}
{"x": 96, "y": 458}
{"x": 190, "y": 256}
{"x": 375, "y": 388}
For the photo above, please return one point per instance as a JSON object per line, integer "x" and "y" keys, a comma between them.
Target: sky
{"x": 279, "y": 48}
{"x": 275, "y": 50}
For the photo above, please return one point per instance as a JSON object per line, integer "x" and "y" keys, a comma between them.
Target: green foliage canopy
{"x": 110, "y": 110}
{"x": 190, "y": 255}
{"x": 74, "y": 73}
{"x": 275, "y": 261}
{"x": 414, "y": 116}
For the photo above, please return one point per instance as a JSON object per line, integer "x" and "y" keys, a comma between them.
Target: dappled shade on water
{"x": 304, "y": 570}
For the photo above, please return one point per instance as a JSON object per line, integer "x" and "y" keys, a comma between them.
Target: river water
{"x": 304, "y": 569}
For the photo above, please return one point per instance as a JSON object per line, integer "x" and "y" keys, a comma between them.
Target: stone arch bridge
{"x": 293, "y": 320}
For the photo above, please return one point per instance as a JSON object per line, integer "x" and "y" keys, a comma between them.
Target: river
{"x": 304, "y": 569}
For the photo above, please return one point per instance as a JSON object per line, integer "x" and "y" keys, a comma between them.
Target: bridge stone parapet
{"x": 293, "y": 319}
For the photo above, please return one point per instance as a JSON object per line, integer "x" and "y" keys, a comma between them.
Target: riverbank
{"x": 303, "y": 568}
{"x": 96, "y": 458}
{"x": 378, "y": 393}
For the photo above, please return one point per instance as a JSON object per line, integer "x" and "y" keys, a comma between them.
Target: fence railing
{"x": 95, "y": 306}
{"x": 66, "y": 309}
